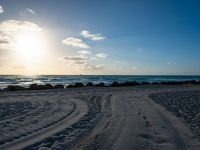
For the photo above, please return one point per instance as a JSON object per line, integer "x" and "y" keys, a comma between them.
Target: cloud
{"x": 3, "y": 42}
{"x": 93, "y": 67}
{"x": 75, "y": 42}
{"x": 16, "y": 25}
{"x": 79, "y": 59}
{"x": 4, "y": 38}
{"x": 98, "y": 56}
{"x": 93, "y": 58}
{"x": 84, "y": 52}
{"x": 94, "y": 37}
{"x": 1, "y": 9}
{"x": 27, "y": 12}
{"x": 10, "y": 28}
{"x": 101, "y": 55}
{"x": 81, "y": 62}
{"x": 75, "y": 58}
{"x": 31, "y": 11}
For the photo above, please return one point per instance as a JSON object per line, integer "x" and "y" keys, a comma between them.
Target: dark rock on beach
{"x": 40, "y": 87}
{"x": 115, "y": 84}
{"x": 48, "y": 86}
{"x": 35, "y": 87}
{"x": 70, "y": 86}
{"x": 129, "y": 83}
{"x": 78, "y": 84}
{"x": 89, "y": 84}
{"x": 15, "y": 88}
{"x": 101, "y": 84}
{"x": 59, "y": 86}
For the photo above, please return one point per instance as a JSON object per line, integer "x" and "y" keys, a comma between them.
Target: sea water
{"x": 25, "y": 81}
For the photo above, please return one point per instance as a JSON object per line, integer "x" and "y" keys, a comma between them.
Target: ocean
{"x": 25, "y": 81}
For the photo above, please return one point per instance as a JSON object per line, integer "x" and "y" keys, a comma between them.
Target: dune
{"x": 90, "y": 118}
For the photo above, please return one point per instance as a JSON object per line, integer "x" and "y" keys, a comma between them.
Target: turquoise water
{"x": 6, "y": 80}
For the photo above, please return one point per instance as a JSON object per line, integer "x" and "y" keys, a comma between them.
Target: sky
{"x": 111, "y": 37}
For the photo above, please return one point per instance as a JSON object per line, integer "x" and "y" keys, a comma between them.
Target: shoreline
{"x": 91, "y": 84}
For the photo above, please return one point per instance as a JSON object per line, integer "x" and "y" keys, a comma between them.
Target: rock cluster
{"x": 101, "y": 84}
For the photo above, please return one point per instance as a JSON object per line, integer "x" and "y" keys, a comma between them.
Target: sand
{"x": 151, "y": 117}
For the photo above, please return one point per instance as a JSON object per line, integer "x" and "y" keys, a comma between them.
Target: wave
{"x": 6, "y": 80}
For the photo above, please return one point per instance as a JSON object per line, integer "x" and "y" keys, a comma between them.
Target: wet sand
{"x": 143, "y": 117}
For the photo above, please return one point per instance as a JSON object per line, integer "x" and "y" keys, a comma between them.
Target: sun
{"x": 30, "y": 46}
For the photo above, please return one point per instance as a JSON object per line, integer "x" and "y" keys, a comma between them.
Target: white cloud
{"x": 1, "y": 9}
{"x": 31, "y": 11}
{"x": 75, "y": 42}
{"x": 9, "y": 29}
{"x": 3, "y": 41}
{"x": 79, "y": 59}
{"x": 93, "y": 67}
{"x": 27, "y": 12}
{"x": 101, "y": 55}
{"x": 75, "y": 58}
{"x": 84, "y": 52}
{"x": 16, "y": 25}
{"x": 93, "y": 58}
{"x": 98, "y": 56}
{"x": 81, "y": 62}
{"x": 4, "y": 38}
{"x": 94, "y": 37}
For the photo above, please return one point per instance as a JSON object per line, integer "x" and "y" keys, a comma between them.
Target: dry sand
{"x": 127, "y": 118}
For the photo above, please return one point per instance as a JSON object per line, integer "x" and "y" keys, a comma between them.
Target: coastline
{"x": 67, "y": 80}
{"x": 91, "y": 84}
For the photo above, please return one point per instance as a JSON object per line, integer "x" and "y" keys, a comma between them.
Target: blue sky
{"x": 139, "y": 36}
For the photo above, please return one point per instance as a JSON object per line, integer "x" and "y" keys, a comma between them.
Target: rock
{"x": 59, "y": 86}
{"x": 78, "y": 84}
{"x": 129, "y": 83}
{"x": 69, "y": 86}
{"x": 89, "y": 84}
{"x": 40, "y": 87}
{"x": 48, "y": 86}
{"x": 15, "y": 88}
{"x": 115, "y": 84}
{"x": 101, "y": 84}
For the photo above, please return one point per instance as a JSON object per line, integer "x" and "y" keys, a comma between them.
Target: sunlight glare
{"x": 30, "y": 46}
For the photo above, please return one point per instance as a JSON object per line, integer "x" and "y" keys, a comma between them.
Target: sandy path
{"x": 79, "y": 111}
{"x": 109, "y": 118}
{"x": 135, "y": 122}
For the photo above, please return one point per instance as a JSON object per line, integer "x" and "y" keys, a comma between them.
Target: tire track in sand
{"x": 79, "y": 111}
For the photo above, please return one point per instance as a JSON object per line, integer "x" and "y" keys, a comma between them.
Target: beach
{"x": 156, "y": 117}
